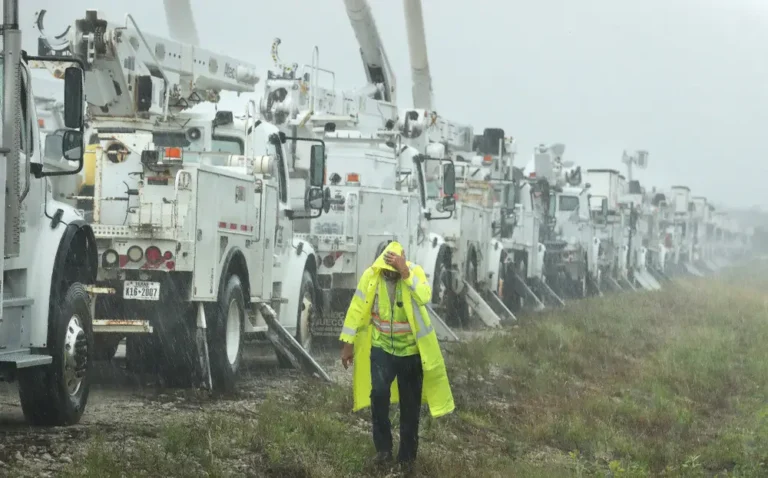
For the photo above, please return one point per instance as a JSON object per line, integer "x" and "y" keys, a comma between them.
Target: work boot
{"x": 407, "y": 468}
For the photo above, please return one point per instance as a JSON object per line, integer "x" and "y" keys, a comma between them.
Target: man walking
{"x": 388, "y": 335}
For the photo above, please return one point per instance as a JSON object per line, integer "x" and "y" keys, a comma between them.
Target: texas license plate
{"x": 141, "y": 290}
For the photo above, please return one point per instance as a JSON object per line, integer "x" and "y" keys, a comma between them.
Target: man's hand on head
{"x": 398, "y": 262}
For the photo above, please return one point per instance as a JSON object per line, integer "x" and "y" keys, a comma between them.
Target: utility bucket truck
{"x": 683, "y": 230}
{"x": 49, "y": 252}
{"x": 605, "y": 190}
{"x": 371, "y": 203}
{"x": 639, "y": 230}
{"x": 191, "y": 212}
{"x": 461, "y": 246}
{"x": 567, "y": 231}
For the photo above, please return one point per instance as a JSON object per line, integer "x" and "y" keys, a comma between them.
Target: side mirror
{"x": 317, "y": 166}
{"x": 315, "y": 199}
{"x": 449, "y": 187}
{"x": 72, "y": 145}
{"x": 73, "y": 98}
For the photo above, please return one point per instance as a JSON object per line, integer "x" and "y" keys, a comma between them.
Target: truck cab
{"x": 46, "y": 339}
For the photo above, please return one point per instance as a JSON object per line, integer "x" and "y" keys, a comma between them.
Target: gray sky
{"x": 685, "y": 79}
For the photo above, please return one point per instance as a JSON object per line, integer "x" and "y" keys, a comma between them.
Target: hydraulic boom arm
{"x": 181, "y": 21}
{"x": 375, "y": 61}
{"x": 417, "y": 47}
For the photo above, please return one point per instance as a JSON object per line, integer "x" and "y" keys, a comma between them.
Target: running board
{"x": 444, "y": 333}
{"x": 288, "y": 346}
{"x": 480, "y": 306}
{"x": 522, "y": 285}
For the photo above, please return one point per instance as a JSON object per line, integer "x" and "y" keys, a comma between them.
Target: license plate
{"x": 141, "y": 290}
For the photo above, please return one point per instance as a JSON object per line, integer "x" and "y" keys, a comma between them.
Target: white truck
{"x": 191, "y": 214}
{"x": 371, "y": 203}
{"x": 46, "y": 337}
{"x": 461, "y": 242}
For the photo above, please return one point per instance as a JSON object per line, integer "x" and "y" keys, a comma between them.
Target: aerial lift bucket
{"x": 289, "y": 347}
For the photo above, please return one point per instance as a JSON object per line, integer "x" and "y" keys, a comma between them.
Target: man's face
{"x": 391, "y": 276}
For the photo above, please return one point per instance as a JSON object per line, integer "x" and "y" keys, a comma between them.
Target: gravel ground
{"x": 119, "y": 401}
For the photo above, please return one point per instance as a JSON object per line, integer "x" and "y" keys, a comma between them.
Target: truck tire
{"x": 307, "y": 297}
{"x": 225, "y": 335}
{"x": 442, "y": 267}
{"x": 306, "y": 312}
{"x": 56, "y": 394}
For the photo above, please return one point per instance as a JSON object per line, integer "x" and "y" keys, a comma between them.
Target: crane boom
{"x": 181, "y": 21}
{"x": 417, "y": 48}
{"x": 375, "y": 61}
{"x": 132, "y": 74}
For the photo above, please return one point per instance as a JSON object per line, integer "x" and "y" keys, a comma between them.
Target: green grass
{"x": 673, "y": 383}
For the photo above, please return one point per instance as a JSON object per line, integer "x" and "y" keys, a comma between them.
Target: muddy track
{"x": 123, "y": 406}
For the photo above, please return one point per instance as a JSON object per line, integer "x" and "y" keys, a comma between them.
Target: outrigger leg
{"x": 288, "y": 346}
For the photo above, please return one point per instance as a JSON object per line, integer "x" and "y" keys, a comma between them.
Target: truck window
{"x": 568, "y": 203}
{"x": 224, "y": 144}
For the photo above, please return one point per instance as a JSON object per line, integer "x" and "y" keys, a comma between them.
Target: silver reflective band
{"x": 424, "y": 333}
{"x": 414, "y": 283}
{"x": 360, "y": 294}
{"x": 348, "y": 331}
{"x": 423, "y": 329}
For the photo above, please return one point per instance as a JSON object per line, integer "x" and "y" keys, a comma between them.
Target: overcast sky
{"x": 685, "y": 79}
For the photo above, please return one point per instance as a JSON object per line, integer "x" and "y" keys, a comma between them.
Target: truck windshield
{"x": 568, "y": 203}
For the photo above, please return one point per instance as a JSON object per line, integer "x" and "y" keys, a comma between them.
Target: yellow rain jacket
{"x": 357, "y": 330}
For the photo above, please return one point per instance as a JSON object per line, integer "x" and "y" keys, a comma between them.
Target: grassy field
{"x": 673, "y": 383}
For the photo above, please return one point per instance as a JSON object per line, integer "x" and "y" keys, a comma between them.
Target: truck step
{"x": 444, "y": 333}
{"x": 24, "y": 359}
{"x": 288, "y": 346}
{"x": 481, "y": 307}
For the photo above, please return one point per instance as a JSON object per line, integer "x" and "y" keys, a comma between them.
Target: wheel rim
{"x": 233, "y": 332}
{"x": 305, "y": 319}
{"x": 75, "y": 355}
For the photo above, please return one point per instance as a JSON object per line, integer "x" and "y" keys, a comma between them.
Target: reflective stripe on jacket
{"x": 391, "y": 330}
{"x": 358, "y": 328}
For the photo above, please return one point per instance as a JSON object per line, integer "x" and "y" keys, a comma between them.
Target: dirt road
{"x": 122, "y": 406}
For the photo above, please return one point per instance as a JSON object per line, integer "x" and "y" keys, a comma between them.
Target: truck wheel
{"x": 225, "y": 339}
{"x": 56, "y": 394}
{"x": 307, "y": 311}
{"x": 442, "y": 279}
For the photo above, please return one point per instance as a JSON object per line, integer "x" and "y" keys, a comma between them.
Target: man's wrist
{"x": 405, "y": 273}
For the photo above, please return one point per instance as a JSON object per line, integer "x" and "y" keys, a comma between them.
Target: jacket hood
{"x": 380, "y": 263}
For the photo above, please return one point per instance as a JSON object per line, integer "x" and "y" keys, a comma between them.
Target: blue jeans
{"x": 384, "y": 369}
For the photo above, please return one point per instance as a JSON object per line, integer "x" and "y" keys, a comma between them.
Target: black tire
{"x": 46, "y": 398}
{"x": 442, "y": 267}
{"x": 225, "y": 362}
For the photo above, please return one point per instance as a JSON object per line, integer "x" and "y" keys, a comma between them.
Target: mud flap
{"x": 288, "y": 346}
{"x": 444, "y": 333}
{"x": 521, "y": 285}
{"x": 480, "y": 306}
{"x": 202, "y": 348}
